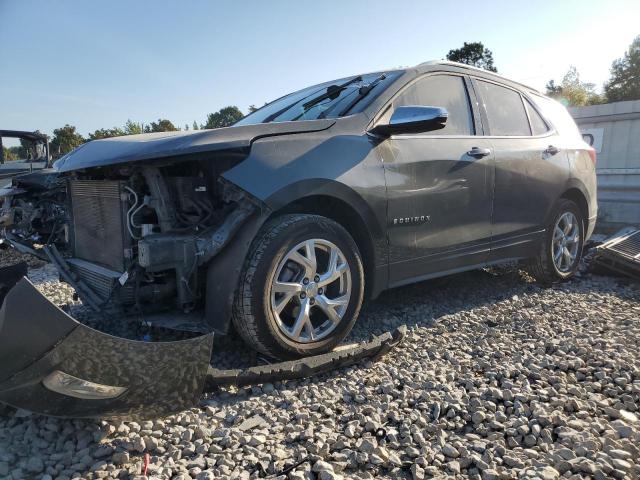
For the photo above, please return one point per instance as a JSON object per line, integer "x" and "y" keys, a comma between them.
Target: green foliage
{"x": 475, "y": 54}
{"x": 162, "y": 125}
{"x": 252, "y": 108}
{"x": 10, "y": 154}
{"x": 195, "y": 125}
{"x": 224, "y": 117}
{"x": 573, "y": 92}
{"x": 624, "y": 83}
{"x": 65, "y": 139}
{"x": 132, "y": 128}
{"x": 106, "y": 133}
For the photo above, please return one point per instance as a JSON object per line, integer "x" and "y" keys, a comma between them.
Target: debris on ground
{"x": 620, "y": 253}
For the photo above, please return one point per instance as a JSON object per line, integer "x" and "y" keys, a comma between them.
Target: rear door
{"x": 439, "y": 185}
{"x": 531, "y": 169}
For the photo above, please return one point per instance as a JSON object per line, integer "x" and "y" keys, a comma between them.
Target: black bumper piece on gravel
{"x": 38, "y": 339}
{"x": 42, "y": 345}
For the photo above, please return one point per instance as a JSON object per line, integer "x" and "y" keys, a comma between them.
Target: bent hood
{"x": 132, "y": 148}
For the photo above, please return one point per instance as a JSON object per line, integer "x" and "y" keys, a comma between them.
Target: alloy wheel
{"x": 566, "y": 241}
{"x": 311, "y": 290}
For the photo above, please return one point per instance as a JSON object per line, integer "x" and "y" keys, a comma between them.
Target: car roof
{"x": 455, "y": 66}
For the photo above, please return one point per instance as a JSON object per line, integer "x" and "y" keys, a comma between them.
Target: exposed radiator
{"x": 99, "y": 212}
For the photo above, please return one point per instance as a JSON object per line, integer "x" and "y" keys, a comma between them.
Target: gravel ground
{"x": 497, "y": 379}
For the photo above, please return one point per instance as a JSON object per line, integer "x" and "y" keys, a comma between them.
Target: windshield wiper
{"x": 275, "y": 115}
{"x": 332, "y": 91}
{"x": 362, "y": 92}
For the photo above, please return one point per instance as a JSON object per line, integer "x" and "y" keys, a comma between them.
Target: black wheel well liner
{"x": 344, "y": 214}
{"x": 575, "y": 195}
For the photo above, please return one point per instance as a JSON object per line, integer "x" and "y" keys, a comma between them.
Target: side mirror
{"x": 588, "y": 137}
{"x": 413, "y": 119}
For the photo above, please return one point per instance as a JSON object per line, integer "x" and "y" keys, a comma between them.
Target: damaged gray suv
{"x": 283, "y": 224}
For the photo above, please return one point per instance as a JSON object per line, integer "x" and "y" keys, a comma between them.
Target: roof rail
{"x": 476, "y": 69}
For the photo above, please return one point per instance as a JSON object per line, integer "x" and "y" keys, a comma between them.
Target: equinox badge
{"x": 411, "y": 220}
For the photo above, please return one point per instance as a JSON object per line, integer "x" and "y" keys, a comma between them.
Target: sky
{"x": 97, "y": 64}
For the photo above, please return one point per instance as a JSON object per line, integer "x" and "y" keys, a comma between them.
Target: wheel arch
{"x": 328, "y": 198}
{"x": 579, "y": 198}
{"x": 348, "y": 209}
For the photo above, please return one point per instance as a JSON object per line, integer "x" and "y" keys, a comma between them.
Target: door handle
{"x": 477, "y": 152}
{"x": 551, "y": 150}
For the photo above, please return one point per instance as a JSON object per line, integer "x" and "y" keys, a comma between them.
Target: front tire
{"x": 561, "y": 250}
{"x": 301, "y": 288}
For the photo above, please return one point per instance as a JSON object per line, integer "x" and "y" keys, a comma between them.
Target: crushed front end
{"x": 135, "y": 238}
{"x": 139, "y": 242}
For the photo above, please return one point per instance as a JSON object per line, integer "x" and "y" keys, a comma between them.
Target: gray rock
{"x": 622, "y": 429}
{"x": 34, "y": 465}
{"x": 478, "y": 417}
{"x": 620, "y": 464}
{"x": 490, "y": 474}
{"x": 548, "y": 473}
{"x": 120, "y": 458}
{"x": 322, "y": 466}
{"x": 417, "y": 472}
{"x": 450, "y": 451}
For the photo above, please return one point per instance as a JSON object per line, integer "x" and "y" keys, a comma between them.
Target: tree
{"x": 162, "y": 125}
{"x": 553, "y": 90}
{"x": 624, "y": 83}
{"x": 252, "y": 108}
{"x": 10, "y": 154}
{"x": 224, "y": 117}
{"x": 195, "y": 125}
{"x": 65, "y": 139}
{"x": 132, "y": 128}
{"x": 572, "y": 91}
{"x": 106, "y": 133}
{"x": 475, "y": 54}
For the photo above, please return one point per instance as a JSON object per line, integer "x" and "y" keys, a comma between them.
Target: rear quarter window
{"x": 558, "y": 115}
{"x": 538, "y": 125}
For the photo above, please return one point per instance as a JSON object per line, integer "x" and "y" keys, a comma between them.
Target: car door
{"x": 531, "y": 169}
{"x": 439, "y": 185}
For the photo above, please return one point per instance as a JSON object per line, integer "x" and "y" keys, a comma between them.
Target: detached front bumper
{"x": 54, "y": 365}
{"x": 38, "y": 339}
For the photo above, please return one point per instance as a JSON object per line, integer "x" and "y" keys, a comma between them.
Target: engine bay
{"x": 133, "y": 237}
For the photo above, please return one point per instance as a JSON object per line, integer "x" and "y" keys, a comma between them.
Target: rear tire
{"x": 561, "y": 250}
{"x": 301, "y": 287}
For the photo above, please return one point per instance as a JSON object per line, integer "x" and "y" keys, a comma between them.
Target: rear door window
{"x": 505, "y": 110}
{"x": 447, "y": 91}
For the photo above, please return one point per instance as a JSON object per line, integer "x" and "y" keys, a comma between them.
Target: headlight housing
{"x": 61, "y": 382}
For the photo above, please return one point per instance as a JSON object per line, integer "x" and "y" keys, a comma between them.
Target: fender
{"x": 345, "y": 167}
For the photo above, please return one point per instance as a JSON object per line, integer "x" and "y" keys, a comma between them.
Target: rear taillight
{"x": 592, "y": 154}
